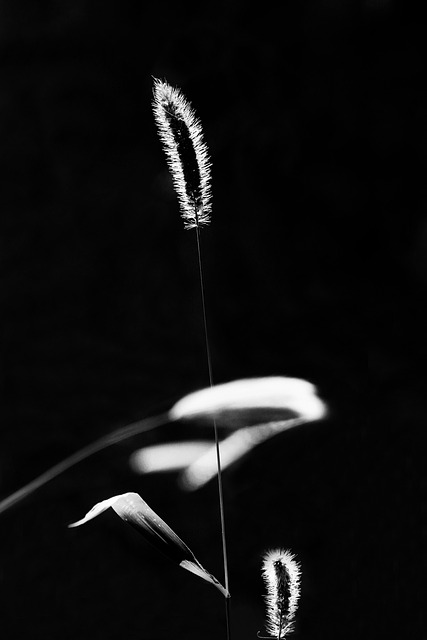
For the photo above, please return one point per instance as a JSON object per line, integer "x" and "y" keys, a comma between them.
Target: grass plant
{"x": 252, "y": 410}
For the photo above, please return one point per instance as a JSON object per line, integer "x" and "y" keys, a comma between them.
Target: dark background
{"x": 315, "y": 117}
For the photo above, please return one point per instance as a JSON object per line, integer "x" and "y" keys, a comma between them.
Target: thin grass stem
{"x": 218, "y": 454}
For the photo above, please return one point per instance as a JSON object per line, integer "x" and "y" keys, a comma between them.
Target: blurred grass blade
{"x": 233, "y": 405}
{"x": 252, "y": 401}
{"x": 278, "y": 403}
{"x": 240, "y": 442}
{"x": 170, "y": 456}
{"x": 131, "y": 508}
{"x": 110, "y": 439}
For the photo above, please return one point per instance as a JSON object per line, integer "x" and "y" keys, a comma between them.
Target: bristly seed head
{"x": 186, "y": 152}
{"x": 281, "y": 574}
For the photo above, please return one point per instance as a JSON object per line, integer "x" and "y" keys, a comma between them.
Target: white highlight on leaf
{"x": 282, "y": 575}
{"x": 241, "y": 402}
{"x": 232, "y": 448}
{"x": 172, "y": 456}
{"x": 131, "y": 508}
{"x": 170, "y": 105}
{"x": 99, "y": 508}
{"x": 276, "y": 393}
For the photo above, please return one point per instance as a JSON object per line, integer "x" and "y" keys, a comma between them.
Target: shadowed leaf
{"x": 133, "y": 509}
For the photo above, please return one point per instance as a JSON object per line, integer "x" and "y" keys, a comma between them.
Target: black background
{"x": 315, "y": 117}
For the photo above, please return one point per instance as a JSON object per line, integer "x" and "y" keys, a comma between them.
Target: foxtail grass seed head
{"x": 187, "y": 154}
{"x": 131, "y": 508}
{"x": 281, "y": 574}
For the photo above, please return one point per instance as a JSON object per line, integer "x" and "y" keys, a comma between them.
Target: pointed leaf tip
{"x": 99, "y": 508}
{"x": 196, "y": 568}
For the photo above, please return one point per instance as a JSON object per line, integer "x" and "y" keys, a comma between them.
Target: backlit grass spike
{"x": 186, "y": 152}
{"x": 281, "y": 574}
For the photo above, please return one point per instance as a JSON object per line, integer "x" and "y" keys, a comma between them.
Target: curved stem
{"x": 106, "y": 441}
